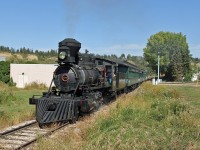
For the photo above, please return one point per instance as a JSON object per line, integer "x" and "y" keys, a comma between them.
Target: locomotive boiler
{"x": 81, "y": 83}
{"x": 69, "y": 76}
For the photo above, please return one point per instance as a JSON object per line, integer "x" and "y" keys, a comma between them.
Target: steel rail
{"x": 25, "y": 135}
{"x": 13, "y": 129}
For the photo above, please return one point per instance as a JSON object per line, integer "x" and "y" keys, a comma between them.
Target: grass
{"x": 191, "y": 95}
{"x": 35, "y": 85}
{"x": 164, "y": 121}
{"x": 14, "y": 105}
{"x": 155, "y": 117}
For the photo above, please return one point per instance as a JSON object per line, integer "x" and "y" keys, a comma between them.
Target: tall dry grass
{"x": 152, "y": 117}
{"x": 14, "y": 105}
{"x": 36, "y": 85}
{"x": 155, "y": 117}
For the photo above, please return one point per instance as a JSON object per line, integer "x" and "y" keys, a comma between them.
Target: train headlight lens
{"x": 62, "y": 55}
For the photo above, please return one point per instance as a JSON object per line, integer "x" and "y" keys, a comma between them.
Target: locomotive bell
{"x": 68, "y": 51}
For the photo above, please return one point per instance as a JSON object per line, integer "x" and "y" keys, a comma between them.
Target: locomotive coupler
{"x": 33, "y": 100}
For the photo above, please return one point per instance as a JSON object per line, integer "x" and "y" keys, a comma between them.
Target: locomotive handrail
{"x": 76, "y": 89}
{"x": 50, "y": 85}
{"x": 74, "y": 70}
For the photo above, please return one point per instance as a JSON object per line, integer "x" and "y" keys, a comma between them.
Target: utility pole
{"x": 197, "y": 75}
{"x": 158, "y": 80}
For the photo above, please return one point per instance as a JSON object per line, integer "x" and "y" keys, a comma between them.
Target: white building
{"x": 2, "y": 58}
{"x": 23, "y": 74}
{"x": 195, "y": 77}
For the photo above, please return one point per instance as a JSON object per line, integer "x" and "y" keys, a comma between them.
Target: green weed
{"x": 155, "y": 117}
{"x": 14, "y": 106}
{"x": 164, "y": 123}
{"x": 36, "y": 85}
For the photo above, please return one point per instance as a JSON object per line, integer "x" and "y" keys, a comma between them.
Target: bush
{"x": 11, "y": 83}
{"x": 5, "y": 71}
{"x": 187, "y": 77}
{"x": 151, "y": 92}
{"x": 160, "y": 109}
{"x": 7, "y": 97}
{"x": 36, "y": 85}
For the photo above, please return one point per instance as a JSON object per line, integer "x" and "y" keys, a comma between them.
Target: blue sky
{"x": 102, "y": 26}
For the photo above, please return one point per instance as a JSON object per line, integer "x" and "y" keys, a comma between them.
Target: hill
{"x": 26, "y": 55}
{"x": 8, "y": 56}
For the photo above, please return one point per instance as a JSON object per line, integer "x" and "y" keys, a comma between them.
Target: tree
{"x": 113, "y": 56}
{"x": 122, "y": 56}
{"x": 5, "y": 71}
{"x": 177, "y": 67}
{"x": 174, "y": 55}
{"x": 129, "y": 57}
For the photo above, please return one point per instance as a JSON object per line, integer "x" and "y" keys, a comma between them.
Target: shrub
{"x": 5, "y": 71}
{"x": 7, "y": 97}
{"x": 160, "y": 109}
{"x": 11, "y": 82}
{"x": 36, "y": 85}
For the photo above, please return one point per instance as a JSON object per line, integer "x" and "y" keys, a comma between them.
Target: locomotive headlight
{"x": 62, "y": 55}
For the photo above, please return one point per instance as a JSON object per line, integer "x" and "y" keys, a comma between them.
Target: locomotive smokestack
{"x": 68, "y": 51}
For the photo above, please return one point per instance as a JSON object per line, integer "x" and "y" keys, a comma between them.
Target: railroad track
{"x": 23, "y": 135}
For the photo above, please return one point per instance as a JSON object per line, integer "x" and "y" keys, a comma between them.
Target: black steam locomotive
{"x": 81, "y": 83}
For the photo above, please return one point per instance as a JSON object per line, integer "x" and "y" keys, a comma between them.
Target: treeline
{"x": 196, "y": 60}
{"x": 51, "y": 56}
{"x": 136, "y": 60}
{"x": 23, "y": 50}
{"x": 25, "y": 55}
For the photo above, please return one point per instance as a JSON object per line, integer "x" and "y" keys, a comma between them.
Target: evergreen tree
{"x": 4, "y": 71}
{"x": 122, "y": 56}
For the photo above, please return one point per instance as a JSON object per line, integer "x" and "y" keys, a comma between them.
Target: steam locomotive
{"x": 81, "y": 83}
